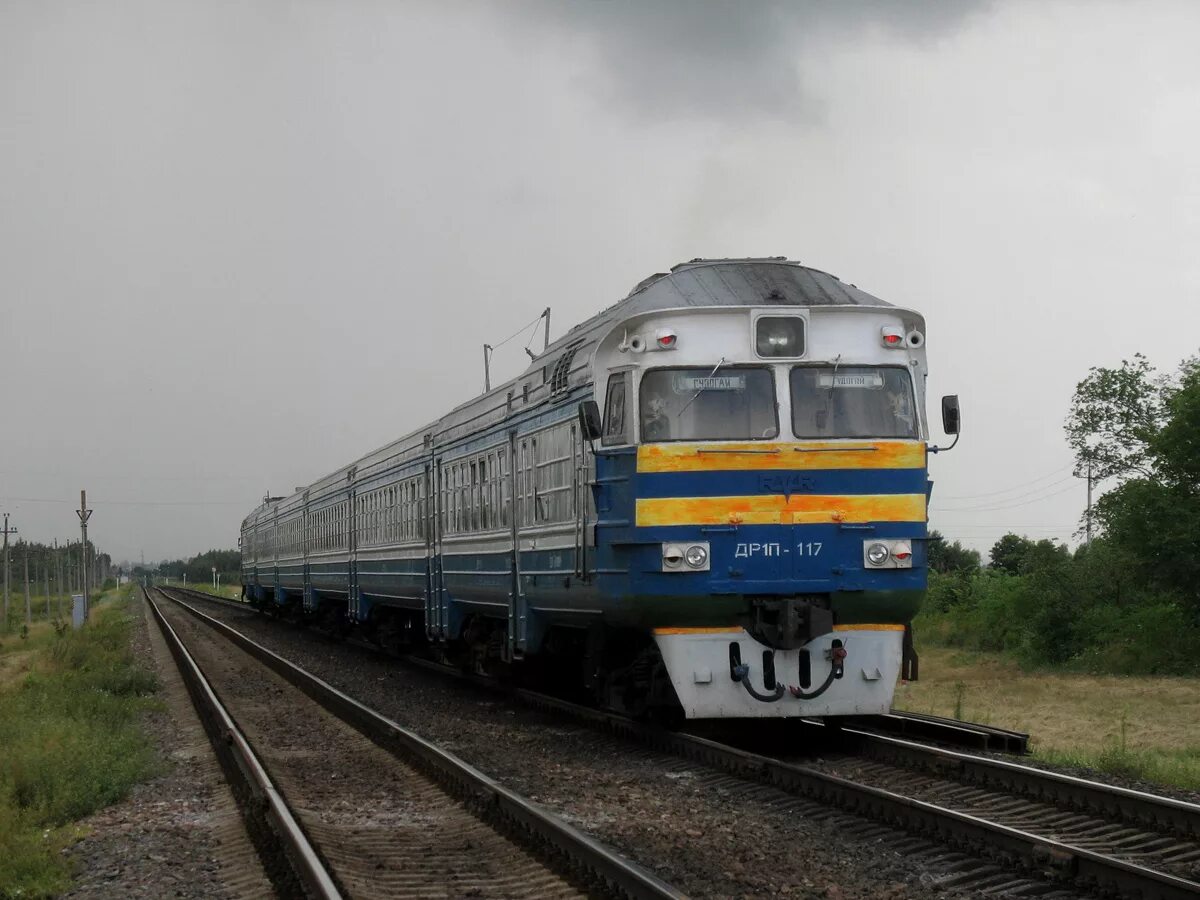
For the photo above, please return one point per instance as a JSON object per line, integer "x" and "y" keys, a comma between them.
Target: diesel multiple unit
{"x": 711, "y": 496}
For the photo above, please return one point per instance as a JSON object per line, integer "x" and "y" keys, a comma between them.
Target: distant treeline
{"x": 47, "y": 559}
{"x": 228, "y": 564}
{"x": 1129, "y": 602}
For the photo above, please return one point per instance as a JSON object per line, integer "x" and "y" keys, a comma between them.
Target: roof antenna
{"x": 546, "y": 345}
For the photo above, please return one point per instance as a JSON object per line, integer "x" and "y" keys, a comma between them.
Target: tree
{"x": 1176, "y": 447}
{"x": 1009, "y": 553}
{"x": 950, "y": 557}
{"x": 1153, "y": 517}
{"x": 1114, "y": 415}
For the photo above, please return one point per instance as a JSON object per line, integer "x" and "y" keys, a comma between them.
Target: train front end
{"x": 761, "y": 491}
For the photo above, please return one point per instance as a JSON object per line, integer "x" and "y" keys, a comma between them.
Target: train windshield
{"x": 722, "y": 403}
{"x": 853, "y": 402}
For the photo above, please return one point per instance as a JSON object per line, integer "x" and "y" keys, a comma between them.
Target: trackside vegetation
{"x": 1062, "y": 611}
{"x": 1044, "y": 639}
{"x": 1130, "y": 602}
{"x": 70, "y": 710}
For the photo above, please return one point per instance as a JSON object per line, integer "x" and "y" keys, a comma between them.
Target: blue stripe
{"x": 780, "y": 481}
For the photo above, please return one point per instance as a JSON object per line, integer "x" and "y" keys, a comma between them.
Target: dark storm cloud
{"x": 727, "y": 59}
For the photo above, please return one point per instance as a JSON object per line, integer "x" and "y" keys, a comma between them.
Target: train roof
{"x": 746, "y": 282}
{"x": 762, "y": 281}
{"x": 756, "y": 281}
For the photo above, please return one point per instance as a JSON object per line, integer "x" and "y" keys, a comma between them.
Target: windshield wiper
{"x": 822, "y": 416}
{"x": 720, "y": 363}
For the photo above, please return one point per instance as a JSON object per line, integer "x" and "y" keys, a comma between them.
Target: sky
{"x": 244, "y": 243}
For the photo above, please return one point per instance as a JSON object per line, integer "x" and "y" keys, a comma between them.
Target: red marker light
{"x": 666, "y": 341}
{"x": 893, "y": 338}
{"x": 902, "y": 554}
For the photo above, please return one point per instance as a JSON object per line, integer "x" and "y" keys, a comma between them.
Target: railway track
{"x": 1082, "y": 833}
{"x": 358, "y": 806}
{"x": 938, "y": 729}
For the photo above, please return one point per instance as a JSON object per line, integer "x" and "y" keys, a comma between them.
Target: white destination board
{"x": 690, "y": 384}
{"x": 851, "y": 380}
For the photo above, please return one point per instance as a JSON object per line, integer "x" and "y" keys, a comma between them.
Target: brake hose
{"x": 742, "y": 673}
{"x": 837, "y": 656}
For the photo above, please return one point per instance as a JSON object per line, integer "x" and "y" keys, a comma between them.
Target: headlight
{"x": 888, "y": 553}
{"x": 777, "y": 336}
{"x": 685, "y": 557}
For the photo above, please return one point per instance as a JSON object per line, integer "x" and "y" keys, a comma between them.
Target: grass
{"x": 60, "y": 608}
{"x": 1136, "y": 727}
{"x": 228, "y": 591}
{"x": 70, "y": 709}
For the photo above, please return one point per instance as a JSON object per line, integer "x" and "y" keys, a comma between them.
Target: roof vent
{"x": 562, "y": 369}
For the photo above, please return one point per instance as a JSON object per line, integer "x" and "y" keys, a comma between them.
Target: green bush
{"x": 72, "y": 745}
{"x": 1062, "y": 612}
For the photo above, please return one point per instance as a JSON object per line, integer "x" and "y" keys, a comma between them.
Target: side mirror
{"x": 950, "y": 415}
{"x": 589, "y": 420}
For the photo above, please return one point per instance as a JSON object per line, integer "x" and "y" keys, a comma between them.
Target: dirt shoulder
{"x": 178, "y": 835}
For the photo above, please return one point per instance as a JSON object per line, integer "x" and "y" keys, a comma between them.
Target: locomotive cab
{"x": 761, "y": 500}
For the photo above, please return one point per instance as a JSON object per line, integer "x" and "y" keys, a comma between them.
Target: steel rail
{"x": 1031, "y": 851}
{"x": 583, "y": 853}
{"x": 1125, "y": 804}
{"x": 920, "y": 726}
{"x": 243, "y": 764}
{"x": 901, "y": 723}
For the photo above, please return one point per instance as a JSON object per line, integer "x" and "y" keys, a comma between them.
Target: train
{"x": 708, "y": 500}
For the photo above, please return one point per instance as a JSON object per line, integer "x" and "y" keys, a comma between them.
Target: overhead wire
{"x": 95, "y": 502}
{"x": 1021, "y": 496}
{"x": 974, "y": 509}
{"x": 521, "y": 331}
{"x": 1014, "y": 487}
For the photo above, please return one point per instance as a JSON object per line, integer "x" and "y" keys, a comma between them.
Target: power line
{"x": 520, "y": 331}
{"x": 129, "y": 502}
{"x": 977, "y": 509}
{"x": 1014, "y": 487}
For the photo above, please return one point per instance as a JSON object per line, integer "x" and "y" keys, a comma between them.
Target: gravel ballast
{"x": 709, "y": 834}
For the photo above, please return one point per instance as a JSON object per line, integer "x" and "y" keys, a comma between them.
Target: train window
{"x": 477, "y": 480}
{"x": 497, "y": 484}
{"x": 616, "y": 418}
{"x": 853, "y": 402}
{"x": 485, "y": 498}
{"x": 419, "y": 507}
{"x": 463, "y": 511}
{"x": 722, "y": 403}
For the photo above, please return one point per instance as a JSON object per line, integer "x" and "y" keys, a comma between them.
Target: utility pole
{"x": 7, "y": 532}
{"x": 1089, "y": 506}
{"x": 28, "y": 601}
{"x": 84, "y": 514}
{"x": 46, "y": 574}
{"x": 59, "y": 571}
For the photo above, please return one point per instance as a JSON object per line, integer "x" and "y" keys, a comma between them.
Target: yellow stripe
{"x": 887, "y": 626}
{"x": 698, "y": 630}
{"x": 794, "y": 455}
{"x": 776, "y": 509}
